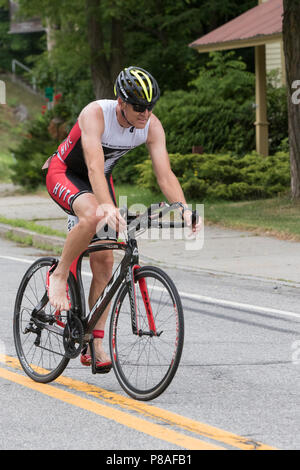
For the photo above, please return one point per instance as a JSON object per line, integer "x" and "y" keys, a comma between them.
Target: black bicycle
{"x": 146, "y": 328}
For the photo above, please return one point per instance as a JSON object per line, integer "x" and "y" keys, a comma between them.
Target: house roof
{"x": 257, "y": 26}
{"x": 32, "y": 26}
{"x": 19, "y": 25}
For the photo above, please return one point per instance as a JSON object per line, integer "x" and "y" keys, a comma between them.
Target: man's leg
{"x": 101, "y": 265}
{"x": 77, "y": 241}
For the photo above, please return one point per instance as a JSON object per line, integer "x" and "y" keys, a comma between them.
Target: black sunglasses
{"x": 139, "y": 108}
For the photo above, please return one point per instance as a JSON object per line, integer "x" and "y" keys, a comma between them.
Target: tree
{"x": 110, "y": 34}
{"x": 89, "y": 29}
{"x": 157, "y": 35}
{"x": 291, "y": 41}
{"x": 105, "y": 35}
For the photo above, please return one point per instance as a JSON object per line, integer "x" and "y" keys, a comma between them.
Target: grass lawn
{"x": 133, "y": 195}
{"x": 32, "y": 226}
{"x": 278, "y": 217}
{"x": 16, "y": 95}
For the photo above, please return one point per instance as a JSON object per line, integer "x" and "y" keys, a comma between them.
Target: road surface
{"x": 237, "y": 386}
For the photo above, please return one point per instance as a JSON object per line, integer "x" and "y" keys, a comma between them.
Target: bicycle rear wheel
{"x": 145, "y": 363}
{"x": 39, "y": 337}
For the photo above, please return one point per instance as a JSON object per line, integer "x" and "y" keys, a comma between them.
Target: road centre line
{"x": 203, "y": 298}
{"x": 110, "y": 413}
{"x": 153, "y": 412}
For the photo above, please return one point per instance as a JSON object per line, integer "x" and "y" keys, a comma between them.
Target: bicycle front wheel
{"x": 146, "y": 361}
{"x": 39, "y": 338}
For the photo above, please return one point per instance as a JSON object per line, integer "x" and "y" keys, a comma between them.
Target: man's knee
{"x": 86, "y": 208}
{"x": 91, "y": 221}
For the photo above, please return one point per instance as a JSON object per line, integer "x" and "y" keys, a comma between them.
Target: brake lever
{"x": 195, "y": 218}
{"x": 123, "y": 211}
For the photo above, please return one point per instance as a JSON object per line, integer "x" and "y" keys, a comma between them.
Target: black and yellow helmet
{"x": 137, "y": 86}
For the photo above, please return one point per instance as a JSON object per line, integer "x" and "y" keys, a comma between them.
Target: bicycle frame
{"x": 124, "y": 272}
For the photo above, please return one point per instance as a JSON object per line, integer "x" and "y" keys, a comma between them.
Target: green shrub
{"x": 218, "y": 110}
{"x": 217, "y": 126}
{"x": 225, "y": 176}
{"x": 6, "y": 164}
{"x": 32, "y": 152}
{"x": 146, "y": 178}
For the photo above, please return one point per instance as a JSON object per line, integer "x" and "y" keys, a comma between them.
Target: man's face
{"x": 138, "y": 116}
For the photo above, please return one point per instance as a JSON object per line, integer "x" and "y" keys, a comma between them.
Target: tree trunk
{"x": 291, "y": 42}
{"x": 105, "y": 62}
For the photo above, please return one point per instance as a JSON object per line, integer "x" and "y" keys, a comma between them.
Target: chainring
{"x": 73, "y": 337}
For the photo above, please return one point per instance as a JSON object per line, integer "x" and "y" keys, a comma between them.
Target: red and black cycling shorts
{"x": 64, "y": 185}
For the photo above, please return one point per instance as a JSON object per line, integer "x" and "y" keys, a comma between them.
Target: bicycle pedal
{"x": 102, "y": 370}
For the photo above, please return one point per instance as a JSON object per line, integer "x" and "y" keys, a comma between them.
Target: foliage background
{"x": 207, "y": 100}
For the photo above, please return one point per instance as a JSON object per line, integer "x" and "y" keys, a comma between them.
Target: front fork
{"x": 134, "y": 308}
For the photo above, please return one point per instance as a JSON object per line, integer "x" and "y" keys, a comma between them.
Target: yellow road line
{"x": 154, "y": 412}
{"x": 167, "y": 417}
{"x": 138, "y": 424}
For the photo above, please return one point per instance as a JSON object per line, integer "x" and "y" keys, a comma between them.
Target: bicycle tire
{"x": 142, "y": 373}
{"x": 31, "y": 350}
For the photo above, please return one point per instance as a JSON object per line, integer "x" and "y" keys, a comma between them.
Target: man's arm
{"x": 91, "y": 123}
{"x": 166, "y": 179}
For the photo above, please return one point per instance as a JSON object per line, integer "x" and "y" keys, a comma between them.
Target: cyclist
{"x": 79, "y": 180}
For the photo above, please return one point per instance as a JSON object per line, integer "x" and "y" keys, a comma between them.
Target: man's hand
{"x": 192, "y": 220}
{"x": 111, "y": 216}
